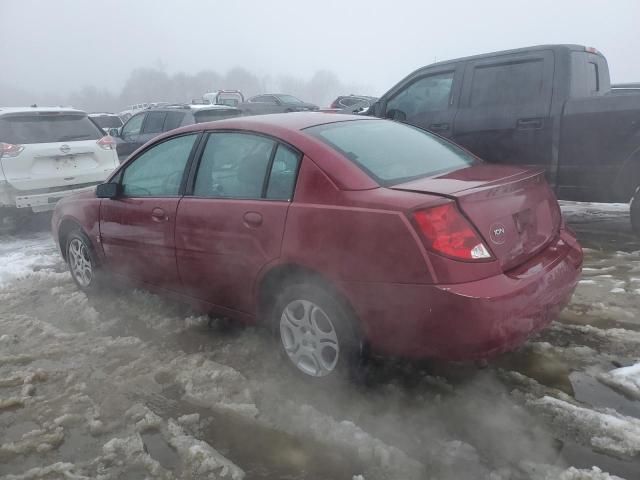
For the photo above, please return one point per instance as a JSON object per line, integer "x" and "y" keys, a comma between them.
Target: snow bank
{"x": 21, "y": 257}
{"x": 606, "y": 430}
{"x": 625, "y": 380}
{"x": 210, "y": 384}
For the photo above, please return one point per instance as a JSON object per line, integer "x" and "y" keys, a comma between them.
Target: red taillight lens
{"x": 10, "y": 150}
{"x": 107, "y": 143}
{"x": 447, "y": 231}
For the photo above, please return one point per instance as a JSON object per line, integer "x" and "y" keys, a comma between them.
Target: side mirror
{"x": 398, "y": 115}
{"x": 114, "y": 132}
{"x": 108, "y": 190}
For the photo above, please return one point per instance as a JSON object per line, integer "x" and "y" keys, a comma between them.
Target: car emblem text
{"x": 497, "y": 233}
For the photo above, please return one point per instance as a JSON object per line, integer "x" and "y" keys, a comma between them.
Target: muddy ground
{"x": 127, "y": 385}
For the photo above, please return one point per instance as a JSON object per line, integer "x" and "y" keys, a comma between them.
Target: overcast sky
{"x": 58, "y": 45}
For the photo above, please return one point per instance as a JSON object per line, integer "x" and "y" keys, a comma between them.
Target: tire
{"x": 315, "y": 333}
{"x": 634, "y": 210}
{"x": 82, "y": 262}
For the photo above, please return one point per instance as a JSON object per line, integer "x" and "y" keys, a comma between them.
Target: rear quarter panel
{"x": 327, "y": 233}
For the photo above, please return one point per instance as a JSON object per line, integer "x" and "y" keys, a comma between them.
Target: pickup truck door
{"x": 427, "y": 100}
{"x": 504, "y": 113}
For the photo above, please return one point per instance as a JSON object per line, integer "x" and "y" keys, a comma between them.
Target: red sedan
{"x": 337, "y": 231}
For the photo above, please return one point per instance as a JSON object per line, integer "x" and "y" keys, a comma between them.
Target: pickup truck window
{"x": 507, "y": 83}
{"x": 427, "y": 94}
{"x": 592, "y": 77}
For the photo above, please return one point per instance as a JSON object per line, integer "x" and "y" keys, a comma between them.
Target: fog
{"x": 51, "y": 51}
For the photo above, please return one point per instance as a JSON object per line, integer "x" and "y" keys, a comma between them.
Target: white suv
{"x": 46, "y": 154}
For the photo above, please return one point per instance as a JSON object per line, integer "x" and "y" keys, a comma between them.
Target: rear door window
{"x": 154, "y": 122}
{"x": 233, "y": 165}
{"x": 47, "y": 128}
{"x": 282, "y": 178}
{"x": 173, "y": 120}
{"x": 509, "y": 83}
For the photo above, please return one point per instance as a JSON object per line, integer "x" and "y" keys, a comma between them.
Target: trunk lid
{"x": 514, "y": 210}
{"x": 47, "y": 165}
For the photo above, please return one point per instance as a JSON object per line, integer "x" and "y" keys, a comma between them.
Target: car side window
{"x": 233, "y": 165}
{"x": 133, "y": 126}
{"x": 427, "y": 94}
{"x": 173, "y": 120}
{"x": 282, "y": 178}
{"x": 258, "y": 99}
{"x": 511, "y": 83}
{"x": 154, "y": 122}
{"x": 158, "y": 171}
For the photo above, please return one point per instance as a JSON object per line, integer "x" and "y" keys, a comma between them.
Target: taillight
{"x": 107, "y": 143}
{"x": 10, "y": 150}
{"x": 447, "y": 231}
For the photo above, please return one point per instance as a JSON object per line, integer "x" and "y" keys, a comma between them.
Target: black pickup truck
{"x": 548, "y": 106}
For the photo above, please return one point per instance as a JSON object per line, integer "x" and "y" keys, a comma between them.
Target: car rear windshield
{"x": 392, "y": 152}
{"x": 47, "y": 128}
{"x": 107, "y": 121}
{"x": 211, "y": 115}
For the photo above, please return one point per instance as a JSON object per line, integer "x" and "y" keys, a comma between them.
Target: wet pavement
{"x": 128, "y": 385}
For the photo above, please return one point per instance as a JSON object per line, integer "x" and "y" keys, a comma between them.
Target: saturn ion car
{"x": 338, "y": 232}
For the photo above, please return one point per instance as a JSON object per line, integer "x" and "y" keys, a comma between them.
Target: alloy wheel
{"x": 80, "y": 262}
{"x": 309, "y": 338}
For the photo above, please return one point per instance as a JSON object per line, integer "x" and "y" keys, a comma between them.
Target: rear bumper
{"x": 470, "y": 320}
{"x": 46, "y": 201}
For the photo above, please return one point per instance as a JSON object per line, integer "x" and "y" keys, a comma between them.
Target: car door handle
{"x": 438, "y": 127}
{"x": 529, "y": 123}
{"x": 252, "y": 219}
{"x": 159, "y": 215}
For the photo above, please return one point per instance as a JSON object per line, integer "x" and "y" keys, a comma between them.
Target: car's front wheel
{"x": 82, "y": 262}
{"x": 315, "y": 332}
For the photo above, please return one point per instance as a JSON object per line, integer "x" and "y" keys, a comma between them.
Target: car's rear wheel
{"x": 315, "y": 332}
{"x": 82, "y": 262}
{"x": 634, "y": 210}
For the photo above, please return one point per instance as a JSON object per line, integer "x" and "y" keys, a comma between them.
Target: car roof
{"x": 13, "y": 110}
{"x": 555, "y": 47}
{"x": 275, "y": 123}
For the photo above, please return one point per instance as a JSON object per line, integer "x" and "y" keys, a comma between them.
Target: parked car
{"x": 106, "y": 121}
{"x": 231, "y": 98}
{"x": 548, "y": 106}
{"x": 46, "y": 154}
{"x": 350, "y": 101}
{"x": 145, "y": 125}
{"x": 275, "y": 103}
{"x": 339, "y": 232}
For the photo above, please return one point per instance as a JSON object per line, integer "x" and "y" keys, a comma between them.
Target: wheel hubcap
{"x": 80, "y": 262}
{"x": 309, "y": 338}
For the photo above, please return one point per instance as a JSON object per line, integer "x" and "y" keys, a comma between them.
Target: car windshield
{"x": 289, "y": 99}
{"x": 392, "y": 152}
{"x": 47, "y": 128}
{"x": 107, "y": 121}
{"x": 229, "y": 98}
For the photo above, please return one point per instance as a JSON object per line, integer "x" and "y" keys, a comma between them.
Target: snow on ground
{"x": 125, "y": 384}
{"x": 626, "y": 380}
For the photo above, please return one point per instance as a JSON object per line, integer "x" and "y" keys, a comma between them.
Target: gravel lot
{"x": 127, "y": 385}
